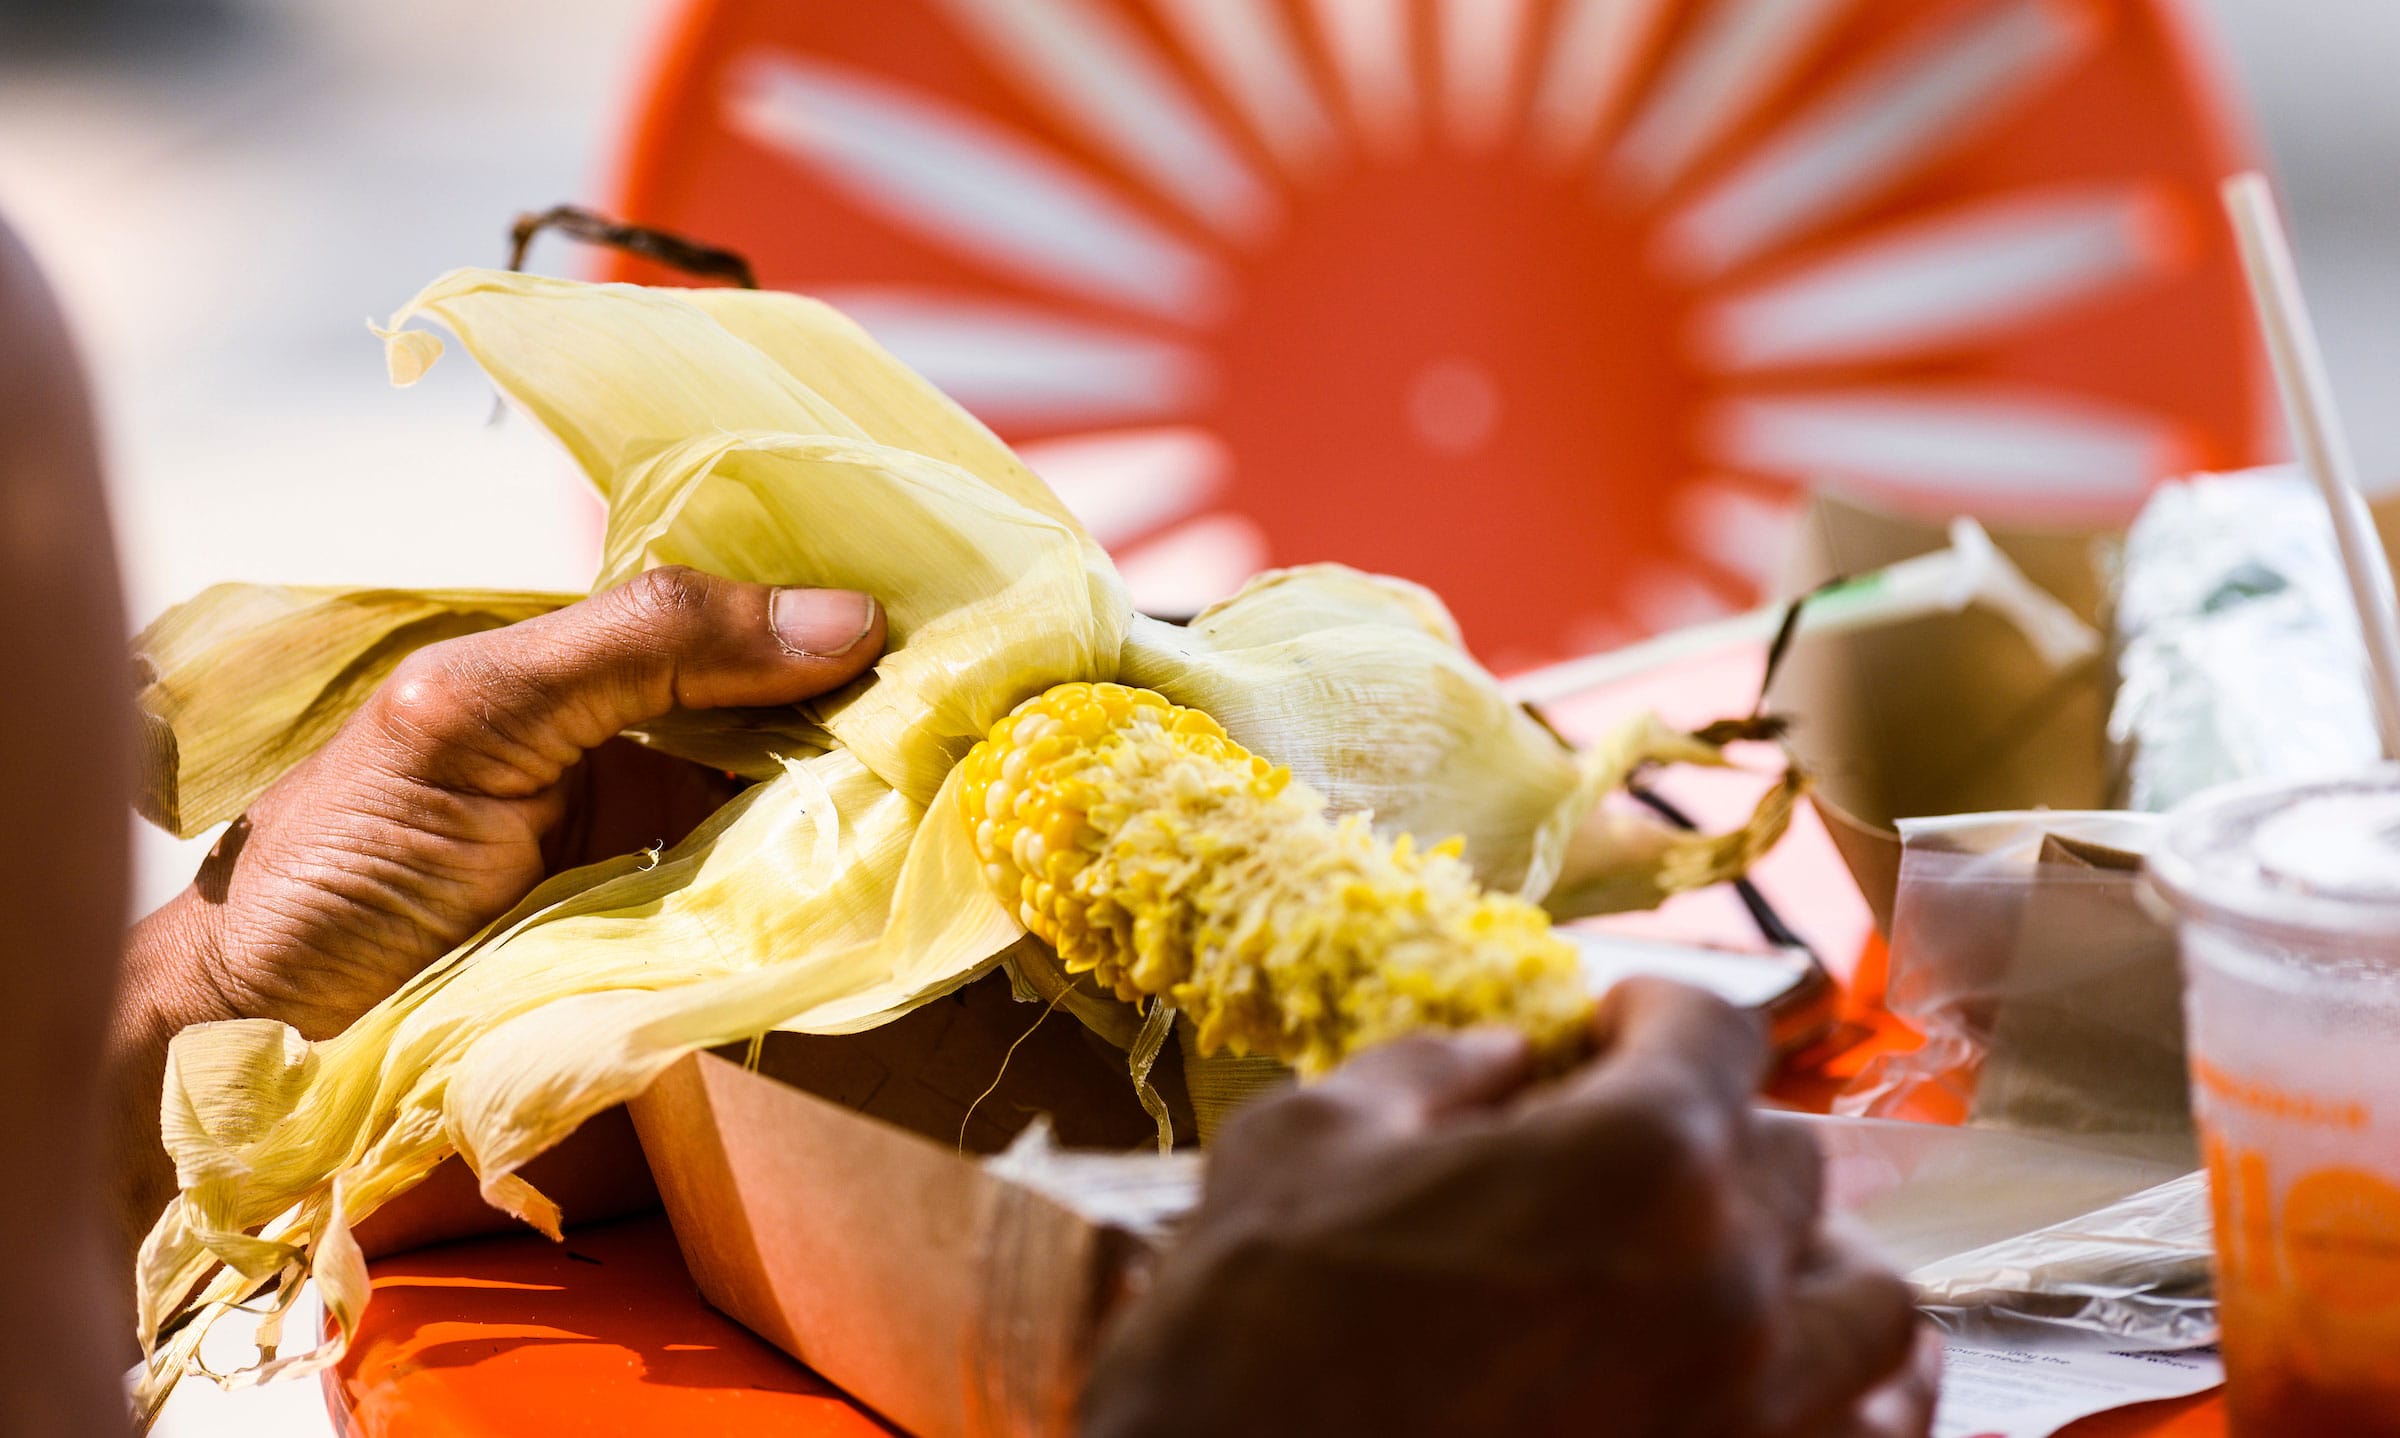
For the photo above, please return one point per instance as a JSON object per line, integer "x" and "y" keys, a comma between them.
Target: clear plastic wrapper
{"x": 2131, "y": 1276}
{"x": 2016, "y": 1239}
{"x": 2238, "y": 646}
{"x": 2047, "y": 993}
{"x": 1927, "y": 1192}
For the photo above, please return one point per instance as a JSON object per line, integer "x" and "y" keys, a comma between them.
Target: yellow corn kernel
{"x": 1153, "y": 852}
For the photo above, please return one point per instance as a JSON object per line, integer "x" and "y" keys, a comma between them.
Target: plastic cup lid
{"x": 2319, "y": 857}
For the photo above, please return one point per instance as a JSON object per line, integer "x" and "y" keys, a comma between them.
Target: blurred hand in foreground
{"x": 1430, "y": 1242}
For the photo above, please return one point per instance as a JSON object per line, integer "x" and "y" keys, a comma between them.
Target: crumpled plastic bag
{"x": 2132, "y": 1276}
{"x": 2011, "y": 1237}
{"x": 2238, "y": 653}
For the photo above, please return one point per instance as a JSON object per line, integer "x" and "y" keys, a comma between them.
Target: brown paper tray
{"x": 869, "y": 1244}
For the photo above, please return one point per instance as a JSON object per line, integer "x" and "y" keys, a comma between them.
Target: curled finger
{"x": 1785, "y": 1172}
{"x": 1848, "y": 1329}
{"x": 1430, "y": 1076}
{"x": 1903, "y": 1407}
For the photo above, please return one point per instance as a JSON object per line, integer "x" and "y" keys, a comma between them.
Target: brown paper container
{"x": 1954, "y": 714}
{"x": 1947, "y": 715}
{"x": 825, "y": 1203}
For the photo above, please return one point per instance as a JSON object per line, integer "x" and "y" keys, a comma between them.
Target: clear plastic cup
{"x": 2288, "y": 901}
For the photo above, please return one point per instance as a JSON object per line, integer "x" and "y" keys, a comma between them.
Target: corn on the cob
{"x": 762, "y": 437}
{"x": 1158, "y": 855}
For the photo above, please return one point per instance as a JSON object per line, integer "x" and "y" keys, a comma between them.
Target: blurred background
{"x": 225, "y": 191}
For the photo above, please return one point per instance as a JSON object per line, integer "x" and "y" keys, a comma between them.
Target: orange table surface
{"x": 601, "y": 1336}
{"x": 605, "y": 1337}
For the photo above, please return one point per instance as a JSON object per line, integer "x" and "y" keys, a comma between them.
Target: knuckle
{"x": 1680, "y": 1138}
{"x": 1728, "y": 1283}
{"x": 1413, "y": 1063}
{"x": 1739, "y": 1301}
{"x": 1293, "y": 1121}
{"x": 667, "y": 595}
{"x": 1714, "y": 1025}
{"x": 1742, "y": 1029}
{"x": 1663, "y": 1163}
{"x": 459, "y": 699}
{"x": 1309, "y": 1110}
{"x": 425, "y": 681}
{"x": 1887, "y": 1306}
{"x": 1409, "y": 1051}
{"x": 1792, "y": 1160}
{"x": 1737, "y": 1038}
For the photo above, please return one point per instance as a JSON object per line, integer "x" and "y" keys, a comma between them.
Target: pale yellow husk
{"x": 245, "y": 680}
{"x": 764, "y": 437}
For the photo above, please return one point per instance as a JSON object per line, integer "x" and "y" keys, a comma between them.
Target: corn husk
{"x": 246, "y": 680}
{"x": 763, "y": 437}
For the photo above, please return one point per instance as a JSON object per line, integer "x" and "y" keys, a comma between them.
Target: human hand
{"x": 1428, "y": 1242}
{"x": 483, "y": 765}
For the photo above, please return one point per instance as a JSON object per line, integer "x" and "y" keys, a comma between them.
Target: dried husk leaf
{"x": 245, "y": 680}
{"x": 609, "y": 369}
{"x": 827, "y": 351}
{"x": 1611, "y": 861}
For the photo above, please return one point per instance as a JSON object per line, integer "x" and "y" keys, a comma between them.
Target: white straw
{"x": 2317, "y": 435}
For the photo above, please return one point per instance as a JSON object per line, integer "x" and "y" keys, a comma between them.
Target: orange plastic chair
{"x": 1555, "y": 305}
